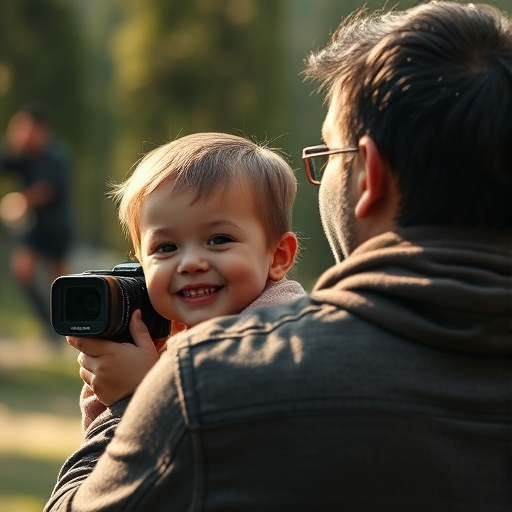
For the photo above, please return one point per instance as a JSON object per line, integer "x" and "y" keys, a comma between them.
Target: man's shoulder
{"x": 253, "y": 365}
{"x": 258, "y": 321}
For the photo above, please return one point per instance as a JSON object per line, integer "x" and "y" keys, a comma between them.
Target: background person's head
{"x": 28, "y": 130}
{"x": 432, "y": 88}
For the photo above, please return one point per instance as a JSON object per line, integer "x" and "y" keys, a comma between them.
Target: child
{"x": 209, "y": 217}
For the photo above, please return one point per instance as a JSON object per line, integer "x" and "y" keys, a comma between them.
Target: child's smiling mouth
{"x": 199, "y": 292}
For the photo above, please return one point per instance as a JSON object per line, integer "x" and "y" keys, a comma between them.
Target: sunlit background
{"x": 119, "y": 78}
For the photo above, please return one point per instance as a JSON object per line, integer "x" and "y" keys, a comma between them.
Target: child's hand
{"x": 114, "y": 370}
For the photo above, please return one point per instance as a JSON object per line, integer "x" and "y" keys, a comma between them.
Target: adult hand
{"x": 114, "y": 370}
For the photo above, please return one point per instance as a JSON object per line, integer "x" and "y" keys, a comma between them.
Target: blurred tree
{"x": 200, "y": 65}
{"x": 42, "y": 59}
{"x": 97, "y": 214}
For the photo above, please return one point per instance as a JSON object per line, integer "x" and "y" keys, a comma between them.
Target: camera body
{"x": 99, "y": 304}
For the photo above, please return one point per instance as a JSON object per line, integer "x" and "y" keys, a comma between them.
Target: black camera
{"x": 99, "y": 304}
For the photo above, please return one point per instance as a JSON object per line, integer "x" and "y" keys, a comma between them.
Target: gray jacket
{"x": 390, "y": 388}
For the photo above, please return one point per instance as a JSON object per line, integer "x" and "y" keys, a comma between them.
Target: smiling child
{"x": 209, "y": 216}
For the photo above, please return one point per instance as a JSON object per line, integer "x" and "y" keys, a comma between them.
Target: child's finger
{"x": 86, "y": 376}
{"x": 92, "y": 346}
{"x": 86, "y": 361}
{"x": 139, "y": 331}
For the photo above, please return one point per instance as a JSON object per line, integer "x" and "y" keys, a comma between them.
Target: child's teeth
{"x": 198, "y": 292}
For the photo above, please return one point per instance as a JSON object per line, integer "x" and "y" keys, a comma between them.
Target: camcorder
{"x": 99, "y": 304}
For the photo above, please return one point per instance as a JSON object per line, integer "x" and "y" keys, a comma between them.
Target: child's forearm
{"x": 90, "y": 407}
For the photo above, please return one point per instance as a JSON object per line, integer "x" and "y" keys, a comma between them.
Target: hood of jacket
{"x": 450, "y": 287}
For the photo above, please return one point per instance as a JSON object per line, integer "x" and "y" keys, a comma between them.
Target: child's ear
{"x": 283, "y": 257}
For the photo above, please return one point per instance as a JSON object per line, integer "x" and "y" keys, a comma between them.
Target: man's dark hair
{"x": 432, "y": 86}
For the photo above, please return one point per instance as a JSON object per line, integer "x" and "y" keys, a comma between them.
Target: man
{"x": 390, "y": 388}
{"x": 40, "y": 212}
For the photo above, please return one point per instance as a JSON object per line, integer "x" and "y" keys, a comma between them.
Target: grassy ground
{"x": 39, "y": 415}
{"x": 39, "y": 420}
{"x": 39, "y": 389}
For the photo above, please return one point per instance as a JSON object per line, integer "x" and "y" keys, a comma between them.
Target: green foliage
{"x": 204, "y": 65}
{"x": 41, "y": 59}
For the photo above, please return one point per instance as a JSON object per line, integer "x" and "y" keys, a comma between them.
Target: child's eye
{"x": 220, "y": 239}
{"x": 167, "y": 247}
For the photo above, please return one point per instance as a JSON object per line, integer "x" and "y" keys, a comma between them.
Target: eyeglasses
{"x": 316, "y": 158}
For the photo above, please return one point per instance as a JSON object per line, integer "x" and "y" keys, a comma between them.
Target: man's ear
{"x": 371, "y": 180}
{"x": 283, "y": 257}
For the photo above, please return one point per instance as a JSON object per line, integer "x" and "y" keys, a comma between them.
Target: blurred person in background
{"x": 39, "y": 214}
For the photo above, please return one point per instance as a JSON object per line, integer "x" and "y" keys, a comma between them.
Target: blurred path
{"x": 39, "y": 419}
{"x": 31, "y": 352}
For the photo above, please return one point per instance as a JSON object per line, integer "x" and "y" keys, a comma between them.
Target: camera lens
{"x": 92, "y": 304}
{"x": 83, "y": 304}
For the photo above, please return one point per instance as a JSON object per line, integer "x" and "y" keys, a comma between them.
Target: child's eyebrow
{"x": 222, "y": 222}
{"x": 169, "y": 231}
{"x": 156, "y": 232}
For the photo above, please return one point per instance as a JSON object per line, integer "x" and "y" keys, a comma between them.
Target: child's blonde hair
{"x": 205, "y": 163}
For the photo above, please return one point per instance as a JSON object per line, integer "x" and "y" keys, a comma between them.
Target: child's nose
{"x": 191, "y": 262}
